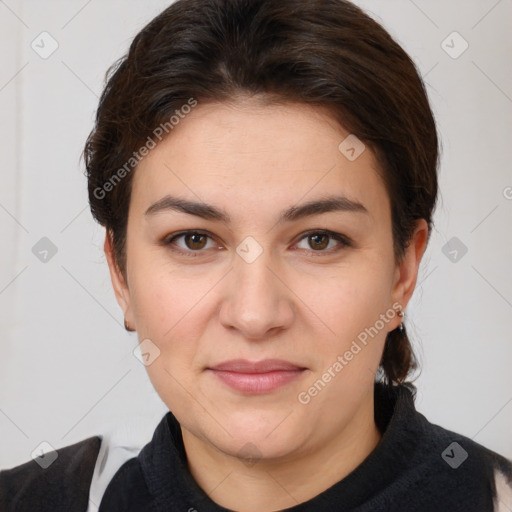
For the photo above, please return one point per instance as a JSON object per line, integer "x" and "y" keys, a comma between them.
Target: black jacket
{"x": 416, "y": 467}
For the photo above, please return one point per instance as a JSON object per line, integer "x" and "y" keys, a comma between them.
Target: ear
{"x": 406, "y": 272}
{"x": 119, "y": 284}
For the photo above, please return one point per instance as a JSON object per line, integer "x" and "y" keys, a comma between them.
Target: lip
{"x": 256, "y": 377}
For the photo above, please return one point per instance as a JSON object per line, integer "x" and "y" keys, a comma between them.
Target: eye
{"x": 191, "y": 242}
{"x": 318, "y": 241}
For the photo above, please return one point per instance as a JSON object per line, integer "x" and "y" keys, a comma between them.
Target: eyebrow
{"x": 209, "y": 212}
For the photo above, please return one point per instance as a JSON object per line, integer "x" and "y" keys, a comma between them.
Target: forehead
{"x": 257, "y": 158}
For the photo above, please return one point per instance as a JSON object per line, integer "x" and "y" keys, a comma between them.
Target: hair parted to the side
{"x": 325, "y": 53}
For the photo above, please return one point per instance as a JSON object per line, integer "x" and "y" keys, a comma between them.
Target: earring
{"x": 401, "y": 326}
{"x": 127, "y": 327}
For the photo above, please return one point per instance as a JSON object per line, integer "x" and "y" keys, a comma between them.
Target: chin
{"x": 268, "y": 434}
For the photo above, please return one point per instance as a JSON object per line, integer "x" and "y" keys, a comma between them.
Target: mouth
{"x": 256, "y": 377}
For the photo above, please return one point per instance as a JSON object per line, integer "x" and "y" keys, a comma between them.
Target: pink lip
{"x": 256, "y": 377}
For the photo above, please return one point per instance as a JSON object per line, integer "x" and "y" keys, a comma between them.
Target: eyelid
{"x": 343, "y": 241}
{"x": 320, "y": 231}
{"x": 168, "y": 241}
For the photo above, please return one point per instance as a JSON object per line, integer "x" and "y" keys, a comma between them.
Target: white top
{"x": 119, "y": 443}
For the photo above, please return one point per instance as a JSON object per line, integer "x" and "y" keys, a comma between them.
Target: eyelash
{"x": 343, "y": 240}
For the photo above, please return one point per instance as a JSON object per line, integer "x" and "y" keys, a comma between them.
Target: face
{"x": 260, "y": 264}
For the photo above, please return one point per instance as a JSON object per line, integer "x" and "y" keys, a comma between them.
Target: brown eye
{"x": 190, "y": 243}
{"x": 195, "y": 241}
{"x": 319, "y": 241}
{"x": 323, "y": 242}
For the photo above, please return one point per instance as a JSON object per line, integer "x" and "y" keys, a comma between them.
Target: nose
{"x": 257, "y": 302}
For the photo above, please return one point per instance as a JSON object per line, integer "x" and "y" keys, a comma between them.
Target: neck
{"x": 275, "y": 484}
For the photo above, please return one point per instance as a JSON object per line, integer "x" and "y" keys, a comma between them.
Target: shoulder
{"x": 440, "y": 465}
{"x": 462, "y": 470}
{"x": 478, "y": 466}
{"x": 79, "y": 474}
{"x": 118, "y": 468}
{"x": 460, "y": 452}
{"x": 62, "y": 485}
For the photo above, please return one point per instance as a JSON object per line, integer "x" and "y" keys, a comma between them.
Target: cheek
{"x": 348, "y": 300}
{"x": 172, "y": 308}
{"x": 162, "y": 297}
{"x": 348, "y": 357}
{"x": 168, "y": 309}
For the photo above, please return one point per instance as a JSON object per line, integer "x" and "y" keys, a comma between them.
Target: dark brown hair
{"x": 325, "y": 53}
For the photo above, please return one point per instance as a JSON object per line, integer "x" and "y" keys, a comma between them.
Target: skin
{"x": 294, "y": 302}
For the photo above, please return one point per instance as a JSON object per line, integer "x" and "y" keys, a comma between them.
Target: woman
{"x": 266, "y": 174}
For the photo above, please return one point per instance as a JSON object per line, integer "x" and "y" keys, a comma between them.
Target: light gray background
{"x": 66, "y": 364}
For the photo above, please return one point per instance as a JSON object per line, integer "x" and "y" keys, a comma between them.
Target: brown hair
{"x": 326, "y": 53}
